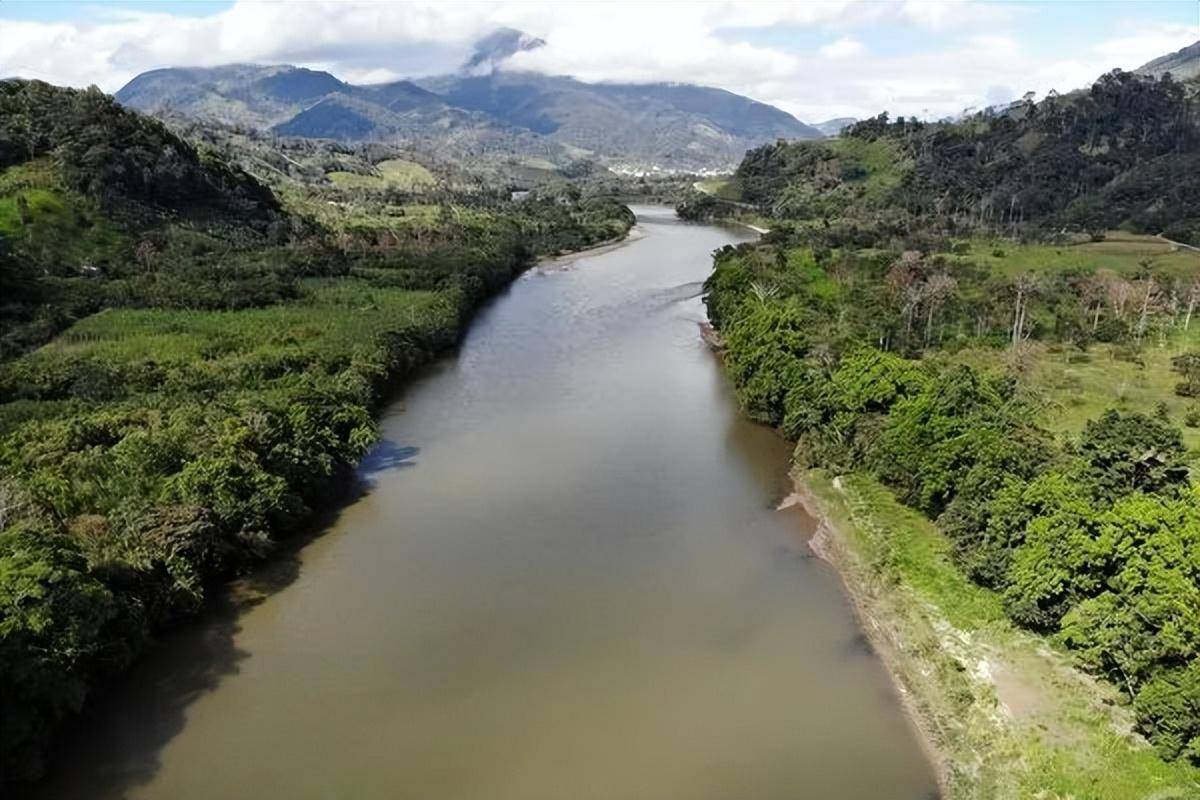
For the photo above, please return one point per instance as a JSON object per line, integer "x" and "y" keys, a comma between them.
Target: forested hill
{"x": 224, "y": 390}
{"x": 1124, "y": 153}
{"x": 125, "y": 160}
{"x": 100, "y": 205}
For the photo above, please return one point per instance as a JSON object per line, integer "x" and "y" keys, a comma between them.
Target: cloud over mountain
{"x": 814, "y": 60}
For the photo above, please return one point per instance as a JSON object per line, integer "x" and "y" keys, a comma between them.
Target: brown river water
{"x": 565, "y": 580}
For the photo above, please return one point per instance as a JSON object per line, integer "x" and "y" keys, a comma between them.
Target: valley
{"x": 481, "y": 414}
{"x": 566, "y": 536}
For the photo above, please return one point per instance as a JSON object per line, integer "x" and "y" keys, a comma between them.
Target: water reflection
{"x": 385, "y": 456}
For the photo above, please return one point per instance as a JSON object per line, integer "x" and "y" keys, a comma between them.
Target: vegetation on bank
{"x": 1093, "y": 538}
{"x": 1009, "y": 716}
{"x": 213, "y": 383}
{"x": 1018, "y": 373}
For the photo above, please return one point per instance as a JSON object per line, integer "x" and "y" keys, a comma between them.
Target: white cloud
{"x": 1147, "y": 42}
{"x": 844, "y": 47}
{"x": 939, "y": 15}
{"x": 957, "y": 52}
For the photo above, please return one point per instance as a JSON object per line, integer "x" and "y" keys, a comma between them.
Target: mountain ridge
{"x": 1183, "y": 64}
{"x": 492, "y": 111}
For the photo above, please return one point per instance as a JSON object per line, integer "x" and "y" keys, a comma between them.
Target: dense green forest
{"x": 212, "y": 351}
{"x": 919, "y": 315}
{"x": 1123, "y": 154}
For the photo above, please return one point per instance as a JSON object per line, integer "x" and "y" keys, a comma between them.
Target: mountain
{"x": 1182, "y": 64}
{"x": 351, "y": 118}
{"x": 484, "y": 110}
{"x": 673, "y": 126}
{"x": 258, "y": 96}
{"x": 294, "y": 101}
{"x": 834, "y": 127}
{"x": 238, "y": 94}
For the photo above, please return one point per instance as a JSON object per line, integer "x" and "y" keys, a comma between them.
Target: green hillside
{"x": 102, "y": 206}
{"x": 1123, "y": 154}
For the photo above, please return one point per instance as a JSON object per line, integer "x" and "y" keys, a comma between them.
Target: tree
{"x": 1060, "y": 555}
{"x": 1188, "y": 367}
{"x": 18, "y": 278}
{"x": 23, "y": 213}
{"x": 905, "y": 282}
{"x": 52, "y": 621}
{"x": 938, "y": 288}
{"x": 1149, "y": 613}
{"x": 1133, "y": 452}
{"x": 1168, "y": 710}
{"x": 1023, "y": 288}
{"x": 1120, "y": 292}
{"x": 1149, "y": 300}
{"x": 1193, "y": 298}
{"x": 1092, "y": 293}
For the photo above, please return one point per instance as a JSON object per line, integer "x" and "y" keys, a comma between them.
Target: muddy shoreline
{"x": 830, "y": 543}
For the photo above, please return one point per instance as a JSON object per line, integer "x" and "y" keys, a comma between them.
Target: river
{"x": 565, "y": 579}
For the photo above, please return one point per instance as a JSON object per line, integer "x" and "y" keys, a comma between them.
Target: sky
{"x": 815, "y": 59}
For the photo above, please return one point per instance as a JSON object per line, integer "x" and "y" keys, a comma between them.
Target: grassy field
{"x": 1120, "y": 252}
{"x": 398, "y": 173}
{"x": 59, "y": 227}
{"x": 726, "y": 188}
{"x": 1007, "y": 713}
{"x": 319, "y": 322}
{"x": 1077, "y": 391}
{"x": 1074, "y": 387}
{"x": 879, "y": 166}
{"x": 181, "y": 352}
{"x": 352, "y": 213}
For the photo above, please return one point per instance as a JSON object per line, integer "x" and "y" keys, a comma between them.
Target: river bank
{"x": 215, "y": 436}
{"x": 1002, "y": 713}
{"x": 564, "y": 577}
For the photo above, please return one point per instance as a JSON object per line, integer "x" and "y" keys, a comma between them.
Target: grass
{"x": 353, "y": 180}
{"x": 319, "y": 322}
{"x": 58, "y": 227}
{"x": 726, "y": 188}
{"x": 878, "y": 165}
{"x": 1007, "y": 713}
{"x": 1120, "y": 252}
{"x": 1075, "y": 387}
{"x": 338, "y": 322}
{"x": 816, "y": 280}
{"x": 1078, "y": 391}
{"x": 350, "y": 214}
{"x": 408, "y": 174}
{"x": 539, "y": 164}
{"x": 396, "y": 172}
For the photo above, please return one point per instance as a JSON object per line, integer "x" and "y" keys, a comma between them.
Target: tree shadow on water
{"x": 116, "y": 744}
